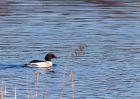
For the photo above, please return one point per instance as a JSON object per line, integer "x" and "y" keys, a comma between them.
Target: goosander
{"x": 44, "y": 64}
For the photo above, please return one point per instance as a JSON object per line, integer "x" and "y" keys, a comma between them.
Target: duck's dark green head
{"x": 49, "y": 56}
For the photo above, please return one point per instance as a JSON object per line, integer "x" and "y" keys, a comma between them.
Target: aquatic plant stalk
{"x": 63, "y": 83}
{"x": 37, "y": 77}
{"x": 1, "y": 93}
{"x": 72, "y": 83}
{"x": 4, "y": 95}
{"x": 15, "y": 93}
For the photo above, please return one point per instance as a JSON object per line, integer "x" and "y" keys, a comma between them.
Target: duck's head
{"x": 49, "y": 56}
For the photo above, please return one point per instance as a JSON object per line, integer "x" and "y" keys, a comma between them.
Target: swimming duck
{"x": 44, "y": 64}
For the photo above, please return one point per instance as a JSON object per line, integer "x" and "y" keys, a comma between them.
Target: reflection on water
{"x": 96, "y": 39}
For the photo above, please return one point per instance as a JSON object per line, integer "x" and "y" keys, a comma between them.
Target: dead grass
{"x": 37, "y": 75}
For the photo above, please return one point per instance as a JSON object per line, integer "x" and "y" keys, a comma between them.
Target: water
{"x": 106, "y": 68}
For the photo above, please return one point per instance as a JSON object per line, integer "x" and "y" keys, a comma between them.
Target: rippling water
{"x": 108, "y": 66}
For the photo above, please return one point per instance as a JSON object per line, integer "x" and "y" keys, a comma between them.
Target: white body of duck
{"x": 43, "y": 64}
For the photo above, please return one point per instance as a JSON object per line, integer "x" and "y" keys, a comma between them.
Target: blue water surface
{"x": 97, "y": 40}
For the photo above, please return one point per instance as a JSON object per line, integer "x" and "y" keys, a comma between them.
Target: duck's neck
{"x": 47, "y": 58}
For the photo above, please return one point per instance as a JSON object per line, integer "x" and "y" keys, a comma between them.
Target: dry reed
{"x": 36, "y": 83}
{"x": 1, "y": 93}
{"x": 15, "y": 93}
{"x": 2, "y": 90}
{"x": 63, "y": 83}
{"x": 72, "y": 83}
{"x": 79, "y": 50}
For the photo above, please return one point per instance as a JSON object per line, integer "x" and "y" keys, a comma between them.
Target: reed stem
{"x": 15, "y": 93}
{"x": 72, "y": 83}
{"x": 63, "y": 83}
{"x": 37, "y": 77}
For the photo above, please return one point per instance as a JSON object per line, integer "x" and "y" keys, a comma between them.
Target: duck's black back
{"x": 35, "y": 61}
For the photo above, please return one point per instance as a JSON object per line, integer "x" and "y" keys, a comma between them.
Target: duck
{"x": 43, "y": 64}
